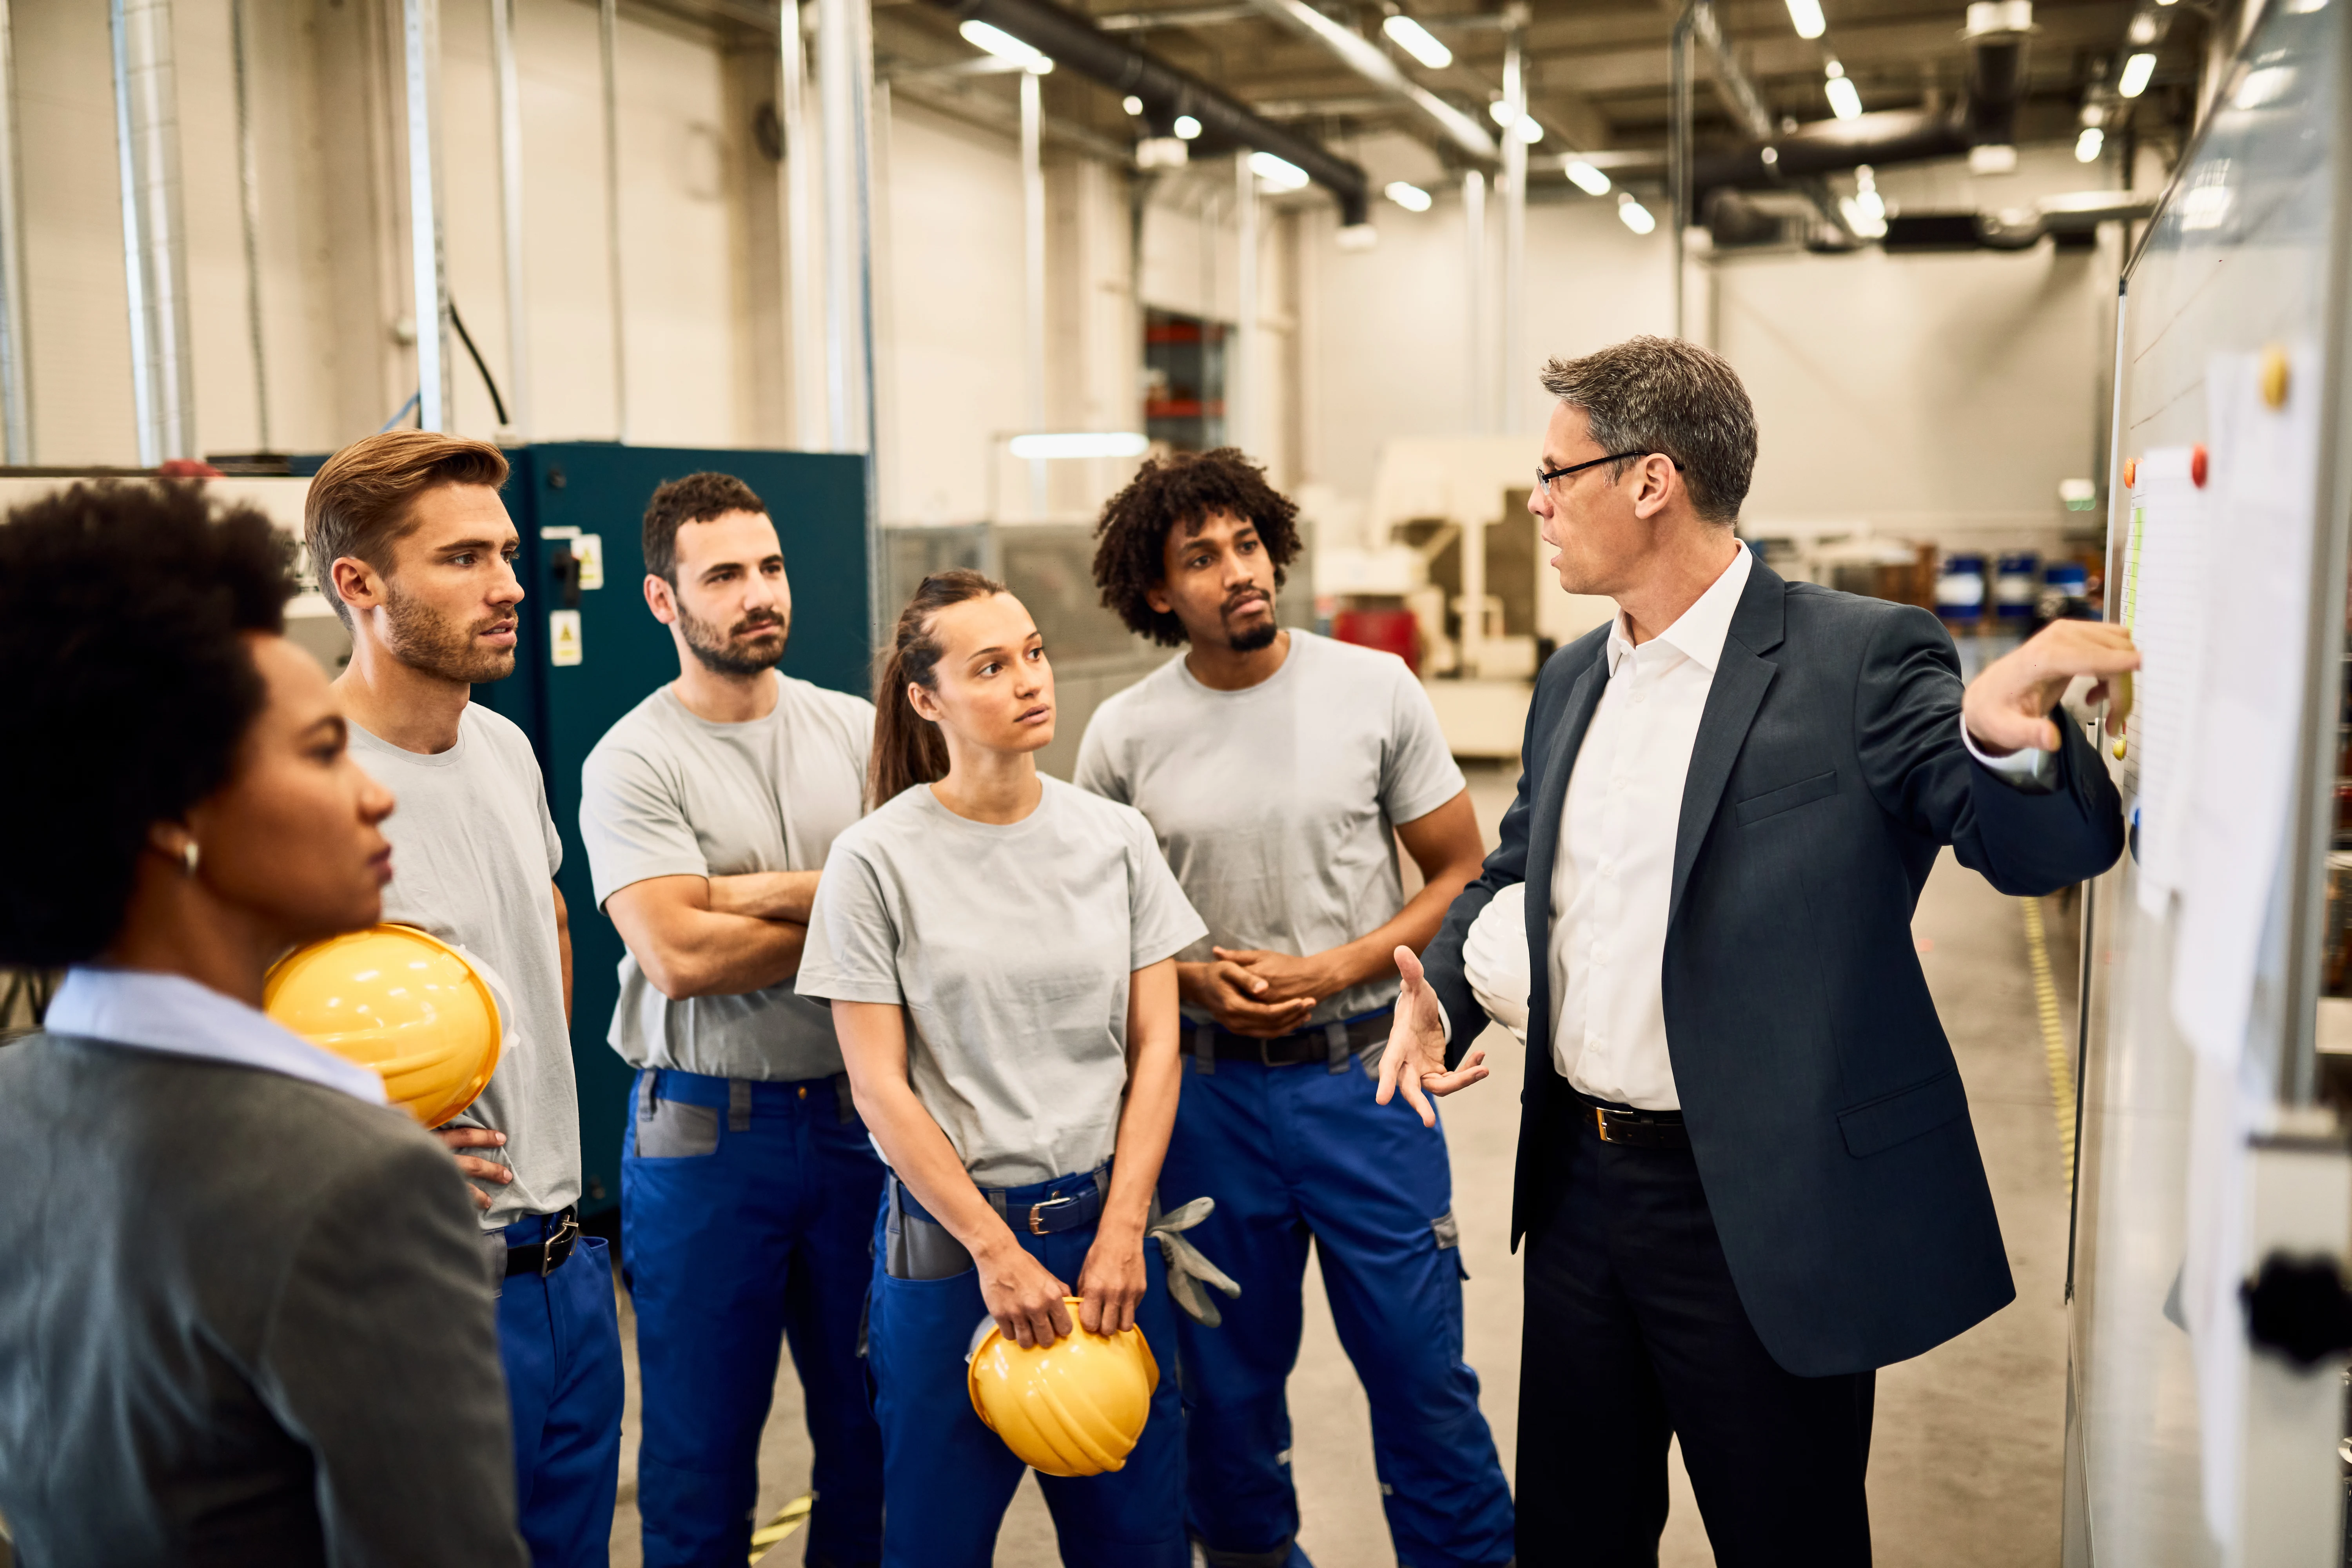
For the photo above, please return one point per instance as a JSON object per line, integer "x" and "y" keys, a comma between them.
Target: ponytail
{"x": 907, "y": 748}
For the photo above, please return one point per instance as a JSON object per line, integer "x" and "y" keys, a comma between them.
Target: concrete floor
{"x": 1965, "y": 1468}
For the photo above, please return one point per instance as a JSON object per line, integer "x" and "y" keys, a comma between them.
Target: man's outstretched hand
{"x": 2007, "y": 705}
{"x": 1415, "y": 1058}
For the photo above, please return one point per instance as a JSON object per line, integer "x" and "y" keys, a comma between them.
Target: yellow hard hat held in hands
{"x": 1076, "y": 1407}
{"x": 395, "y": 999}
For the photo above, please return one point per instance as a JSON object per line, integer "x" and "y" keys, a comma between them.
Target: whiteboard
{"x": 2245, "y": 257}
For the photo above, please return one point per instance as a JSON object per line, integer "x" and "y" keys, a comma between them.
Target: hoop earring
{"x": 190, "y": 856}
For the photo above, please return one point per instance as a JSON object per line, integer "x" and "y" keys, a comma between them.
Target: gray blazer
{"x": 244, "y": 1319}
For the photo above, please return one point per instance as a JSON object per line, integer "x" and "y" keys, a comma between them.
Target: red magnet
{"x": 2131, "y": 472}
{"x": 2197, "y": 466}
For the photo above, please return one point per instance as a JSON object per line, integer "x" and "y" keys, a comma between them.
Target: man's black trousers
{"x": 1634, "y": 1334}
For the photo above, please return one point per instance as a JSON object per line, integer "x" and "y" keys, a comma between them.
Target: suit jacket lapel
{"x": 1559, "y": 762}
{"x": 1740, "y": 678}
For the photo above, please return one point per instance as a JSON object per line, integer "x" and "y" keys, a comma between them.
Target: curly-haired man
{"x": 1279, "y": 770}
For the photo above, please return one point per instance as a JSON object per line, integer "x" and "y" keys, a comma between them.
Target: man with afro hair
{"x": 1279, "y": 770}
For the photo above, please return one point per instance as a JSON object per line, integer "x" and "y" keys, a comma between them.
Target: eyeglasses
{"x": 1544, "y": 476}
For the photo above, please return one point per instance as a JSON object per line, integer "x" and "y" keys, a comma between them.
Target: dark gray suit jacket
{"x": 1825, "y": 1110}
{"x": 243, "y": 1320}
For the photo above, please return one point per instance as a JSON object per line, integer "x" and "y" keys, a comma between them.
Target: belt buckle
{"x": 1037, "y": 1213}
{"x": 1600, "y": 1122}
{"x": 1266, "y": 1051}
{"x": 563, "y": 1237}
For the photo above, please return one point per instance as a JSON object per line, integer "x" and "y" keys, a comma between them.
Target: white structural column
{"x": 844, "y": 45}
{"x": 154, "y": 238}
{"x": 420, "y": 27}
{"x": 1474, "y": 298}
{"x": 804, "y": 289}
{"x": 608, "y": 19}
{"x": 510, "y": 96}
{"x": 1241, "y": 355}
{"x": 1508, "y": 398}
{"x": 15, "y": 379}
{"x": 248, "y": 182}
{"x": 1033, "y": 274}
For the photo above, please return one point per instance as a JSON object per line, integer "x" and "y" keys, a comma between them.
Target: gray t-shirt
{"x": 1277, "y": 805}
{"x": 473, "y": 854}
{"x": 1010, "y": 948}
{"x": 665, "y": 794}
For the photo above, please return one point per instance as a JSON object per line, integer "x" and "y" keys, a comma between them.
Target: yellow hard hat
{"x": 1076, "y": 1407}
{"x": 395, "y": 999}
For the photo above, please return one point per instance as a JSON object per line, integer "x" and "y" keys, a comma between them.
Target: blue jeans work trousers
{"x": 950, "y": 1479}
{"x": 559, "y": 1341}
{"x": 1300, "y": 1151}
{"x": 745, "y": 1227}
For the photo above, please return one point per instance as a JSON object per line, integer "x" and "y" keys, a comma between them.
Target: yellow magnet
{"x": 2274, "y": 377}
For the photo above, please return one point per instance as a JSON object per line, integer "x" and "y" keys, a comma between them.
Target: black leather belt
{"x": 1024, "y": 1208}
{"x": 1334, "y": 1044}
{"x": 544, "y": 1257}
{"x": 1636, "y": 1128}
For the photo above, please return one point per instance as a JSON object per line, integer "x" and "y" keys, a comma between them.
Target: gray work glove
{"x": 1187, "y": 1269}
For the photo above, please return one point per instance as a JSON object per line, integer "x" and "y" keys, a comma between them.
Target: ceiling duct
{"x": 1072, "y": 40}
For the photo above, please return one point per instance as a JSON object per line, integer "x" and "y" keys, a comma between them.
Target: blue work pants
{"x": 559, "y": 1341}
{"x": 744, "y": 1225}
{"x": 1291, "y": 1152}
{"x": 949, "y": 1479}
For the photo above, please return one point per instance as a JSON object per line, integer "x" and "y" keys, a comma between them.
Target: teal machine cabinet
{"x": 590, "y": 653}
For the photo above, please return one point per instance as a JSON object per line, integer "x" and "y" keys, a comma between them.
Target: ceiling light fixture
{"x": 1417, "y": 41}
{"x": 2142, "y": 29}
{"x": 1004, "y": 46}
{"x": 2090, "y": 144}
{"x": 1280, "y": 174}
{"x": 1530, "y": 132}
{"x": 1186, "y": 127}
{"x": 1412, "y": 198}
{"x": 1082, "y": 443}
{"x": 1805, "y": 16}
{"x": 1131, "y": 103}
{"x": 1585, "y": 177}
{"x": 2137, "y": 72}
{"x": 1845, "y": 99}
{"x": 1633, "y": 214}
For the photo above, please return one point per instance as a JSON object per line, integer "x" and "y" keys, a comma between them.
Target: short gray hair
{"x": 1659, "y": 395}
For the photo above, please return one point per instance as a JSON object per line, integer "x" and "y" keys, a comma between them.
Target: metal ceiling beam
{"x": 1187, "y": 16}
{"x": 1368, "y": 61}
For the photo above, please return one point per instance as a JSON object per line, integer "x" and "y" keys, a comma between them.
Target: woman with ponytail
{"x": 998, "y": 948}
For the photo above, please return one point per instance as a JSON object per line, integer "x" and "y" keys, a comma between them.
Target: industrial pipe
{"x": 420, "y": 29}
{"x": 16, "y": 392}
{"x": 1072, "y": 40}
{"x": 155, "y": 235}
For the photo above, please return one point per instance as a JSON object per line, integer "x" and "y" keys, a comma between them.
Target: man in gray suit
{"x": 245, "y": 1317}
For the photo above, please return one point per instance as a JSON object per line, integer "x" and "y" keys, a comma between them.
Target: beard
{"x": 422, "y": 640}
{"x": 1256, "y": 636}
{"x": 729, "y": 651}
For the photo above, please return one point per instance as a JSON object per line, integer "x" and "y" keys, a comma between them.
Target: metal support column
{"x": 1474, "y": 293}
{"x": 154, "y": 236}
{"x": 803, "y": 303}
{"x": 1242, "y": 384}
{"x": 248, "y": 182}
{"x": 1032, "y": 274}
{"x": 15, "y": 379}
{"x": 608, "y": 20}
{"x": 428, "y": 254}
{"x": 1678, "y": 146}
{"x": 845, "y": 86}
{"x": 509, "y": 86}
{"x": 1514, "y": 237}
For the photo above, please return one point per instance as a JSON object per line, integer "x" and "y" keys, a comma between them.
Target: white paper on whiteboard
{"x": 2163, "y": 606}
{"x": 2240, "y": 766}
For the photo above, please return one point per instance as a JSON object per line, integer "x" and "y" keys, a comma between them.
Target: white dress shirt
{"x": 1612, "y": 879}
{"x": 172, "y": 1013}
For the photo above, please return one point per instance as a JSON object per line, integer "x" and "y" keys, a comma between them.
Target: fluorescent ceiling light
{"x": 2142, "y": 29}
{"x": 1586, "y": 178}
{"x": 1082, "y": 443}
{"x": 1845, "y": 102}
{"x": 2089, "y": 144}
{"x": 1860, "y": 217}
{"x": 1530, "y": 132}
{"x": 2136, "y": 71}
{"x": 1131, "y": 103}
{"x": 1004, "y": 46}
{"x": 1186, "y": 127}
{"x": 1805, "y": 16}
{"x": 1635, "y": 215}
{"x": 1499, "y": 111}
{"x": 1412, "y": 198}
{"x": 1417, "y": 41}
{"x": 1279, "y": 173}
